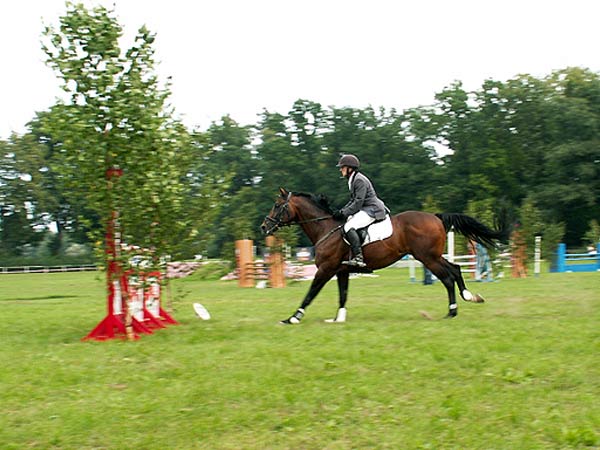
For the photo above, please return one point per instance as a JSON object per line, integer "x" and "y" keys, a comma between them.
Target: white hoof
{"x": 340, "y": 318}
{"x": 466, "y": 294}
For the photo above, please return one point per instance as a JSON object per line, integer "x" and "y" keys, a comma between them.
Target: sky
{"x": 240, "y": 57}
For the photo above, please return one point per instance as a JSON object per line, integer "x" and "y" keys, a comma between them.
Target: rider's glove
{"x": 339, "y": 215}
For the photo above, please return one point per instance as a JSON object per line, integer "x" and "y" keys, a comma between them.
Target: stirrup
{"x": 357, "y": 261}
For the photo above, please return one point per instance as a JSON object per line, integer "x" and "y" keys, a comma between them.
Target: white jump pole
{"x": 411, "y": 269}
{"x": 451, "y": 246}
{"x": 538, "y": 256}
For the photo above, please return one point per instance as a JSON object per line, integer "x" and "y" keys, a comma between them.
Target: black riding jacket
{"x": 363, "y": 197}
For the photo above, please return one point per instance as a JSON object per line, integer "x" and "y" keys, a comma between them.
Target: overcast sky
{"x": 238, "y": 57}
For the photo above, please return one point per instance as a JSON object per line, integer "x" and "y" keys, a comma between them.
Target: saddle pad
{"x": 379, "y": 230}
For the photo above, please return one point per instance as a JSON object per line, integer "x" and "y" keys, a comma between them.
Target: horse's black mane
{"x": 320, "y": 200}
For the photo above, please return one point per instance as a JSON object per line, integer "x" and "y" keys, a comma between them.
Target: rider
{"x": 363, "y": 208}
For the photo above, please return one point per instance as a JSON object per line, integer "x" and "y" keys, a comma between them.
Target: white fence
{"x": 48, "y": 269}
{"x": 467, "y": 263}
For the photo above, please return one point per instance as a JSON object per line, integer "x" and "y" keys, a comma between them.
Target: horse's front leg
{"x": 342, "y": 279}
{"x": 321, "y": 278}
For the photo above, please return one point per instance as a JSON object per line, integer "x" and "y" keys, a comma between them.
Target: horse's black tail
{"x": 475, "y": 230}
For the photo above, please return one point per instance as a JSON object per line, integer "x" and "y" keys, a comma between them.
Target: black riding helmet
{"x": 349, "y": 161}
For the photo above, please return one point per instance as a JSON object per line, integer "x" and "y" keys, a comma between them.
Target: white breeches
{"x": 359, "y": 220}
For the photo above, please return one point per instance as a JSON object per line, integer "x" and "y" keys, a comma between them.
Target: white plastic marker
{"x": 201, "y": 311}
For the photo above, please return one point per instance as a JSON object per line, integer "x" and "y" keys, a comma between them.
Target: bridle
{"x": 278, "y": 222}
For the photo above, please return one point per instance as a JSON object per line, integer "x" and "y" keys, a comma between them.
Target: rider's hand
{"x": 339, "y": 215}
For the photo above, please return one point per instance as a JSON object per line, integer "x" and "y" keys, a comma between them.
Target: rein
{"x": 333, "y": 230}
{"x": 278, "y": 223}
{"x": 316, "y": 219}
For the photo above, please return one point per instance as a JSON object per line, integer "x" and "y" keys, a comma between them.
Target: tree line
{"x": 529, "y": 146}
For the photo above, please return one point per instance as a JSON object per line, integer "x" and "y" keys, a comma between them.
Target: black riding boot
{"x": 354, "y": 240}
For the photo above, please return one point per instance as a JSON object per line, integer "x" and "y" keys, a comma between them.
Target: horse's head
{"x": 280, "y": 215}
{"x": 297, "y": 208}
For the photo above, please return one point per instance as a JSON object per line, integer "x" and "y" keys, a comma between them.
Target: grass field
{"x": 521, "y": 371}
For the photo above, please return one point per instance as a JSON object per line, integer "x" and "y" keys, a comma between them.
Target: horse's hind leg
{"x": 462, "y": 287}
{"x": 444, "y": 272}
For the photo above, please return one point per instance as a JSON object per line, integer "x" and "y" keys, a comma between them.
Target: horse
{"x": 420, "y": 234}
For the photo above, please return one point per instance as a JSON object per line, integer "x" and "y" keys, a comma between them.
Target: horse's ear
{"x": 283, "y": 192}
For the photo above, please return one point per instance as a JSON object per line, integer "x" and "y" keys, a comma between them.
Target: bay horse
{"x": 421, "y": 234}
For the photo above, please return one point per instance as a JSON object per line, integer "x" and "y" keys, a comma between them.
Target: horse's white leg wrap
{"x": 466, "y": 294}
{"x": 295, "y": 319}
{"x": 339, "y": 318}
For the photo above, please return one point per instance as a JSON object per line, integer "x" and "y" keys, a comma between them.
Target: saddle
{"x": 377, "y": 231}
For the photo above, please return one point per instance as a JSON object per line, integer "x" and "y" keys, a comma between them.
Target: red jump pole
{"x": 114, "y": 324}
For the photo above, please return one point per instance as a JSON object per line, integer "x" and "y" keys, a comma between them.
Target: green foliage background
{"x": 528, "y": 145}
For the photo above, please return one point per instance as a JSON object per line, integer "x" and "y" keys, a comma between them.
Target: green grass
{"x": 521, "y": 371}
